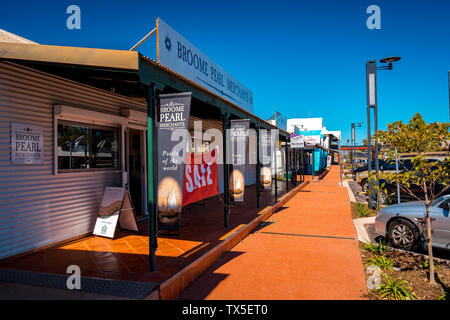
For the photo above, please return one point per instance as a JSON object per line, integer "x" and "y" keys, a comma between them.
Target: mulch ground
{"x": 410, "y": 267}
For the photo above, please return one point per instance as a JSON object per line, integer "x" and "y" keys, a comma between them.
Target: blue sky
{"x": 302, "y": 58}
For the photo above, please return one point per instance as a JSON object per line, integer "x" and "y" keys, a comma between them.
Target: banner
{"x": 267, "y": 147}
{"x": 201, "y": 181}
{"x": 237, "y": 150}
{"x": 173, "y": 114}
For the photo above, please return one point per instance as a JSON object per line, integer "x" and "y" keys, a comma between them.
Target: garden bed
{"x": 361, "y": 210}
{"x": 409, "y": 267}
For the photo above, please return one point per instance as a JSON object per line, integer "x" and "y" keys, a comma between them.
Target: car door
{"x": 440, "y": 224}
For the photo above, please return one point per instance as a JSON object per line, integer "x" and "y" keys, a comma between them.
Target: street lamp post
{"x": 371, "y": 83}
{"x": 353, "y": 143}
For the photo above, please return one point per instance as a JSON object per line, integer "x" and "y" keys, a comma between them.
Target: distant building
{"x": 304, "y": 124}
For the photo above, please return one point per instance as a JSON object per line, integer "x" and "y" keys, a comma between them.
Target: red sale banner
{"x": 200, "y": 180}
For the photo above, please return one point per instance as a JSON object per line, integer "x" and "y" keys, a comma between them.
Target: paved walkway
{"x": 307, "y": 250}
{"x": 126, "y": 256}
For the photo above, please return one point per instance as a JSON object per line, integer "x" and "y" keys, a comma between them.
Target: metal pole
{"x": 351, "y": 145}
{"x": 371, "y": 67}
{"x": 151, "y": 177}
{"x": 339, "y": 157}
{"x": 302, "y": 164}
{"x": 313, "y": 163}
{"x": 396, "y": 171}
{"x": 226, "y": 200}
{"x": 276, "y": 180}
{"x": 286, "y": 164}
{"x": 143, "y": 39}
{"x": 258, "y": 169}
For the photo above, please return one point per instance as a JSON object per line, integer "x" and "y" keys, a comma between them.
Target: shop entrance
{"x": 136, "y": 169}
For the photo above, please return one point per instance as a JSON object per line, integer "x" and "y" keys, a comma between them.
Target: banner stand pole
{"x": 151, "y": 177}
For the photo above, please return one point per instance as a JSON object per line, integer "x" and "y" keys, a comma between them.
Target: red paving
{"x": 286, "y": 260}
{"x": 126, "y": 256}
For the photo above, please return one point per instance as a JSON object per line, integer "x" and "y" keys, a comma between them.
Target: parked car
{"x": 386, "y": 167}
{"x": 388, "y": 194}
{"x": 361, "y": 169}
{"x": 362, "y": 175}
{"x": 404, "y": 225}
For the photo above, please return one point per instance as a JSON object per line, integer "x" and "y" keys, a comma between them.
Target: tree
{"x": 433, "y": 177}
{"x": 365, "y": 142}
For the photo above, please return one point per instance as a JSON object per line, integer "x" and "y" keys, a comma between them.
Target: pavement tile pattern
{"x": 307, "y": 250}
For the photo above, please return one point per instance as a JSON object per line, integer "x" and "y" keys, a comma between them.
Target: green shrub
{"x": 445, "y": 296}
{"x": 362, "y": 209}
{"x": 379, "y": 248}
{"x": 426, "y": 263}
{"x": 382, "y": 262}
{"x": 395, "y": 288}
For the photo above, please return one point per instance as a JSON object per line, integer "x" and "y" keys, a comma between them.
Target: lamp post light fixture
{"x": 371, "y": 83}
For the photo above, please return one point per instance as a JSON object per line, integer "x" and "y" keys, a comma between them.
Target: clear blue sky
{"x": 302, "y": 58}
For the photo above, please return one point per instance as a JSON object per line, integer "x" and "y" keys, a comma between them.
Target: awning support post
{"x": 226, "y": 194}
{"x": 258, "y": 168}
{"x": 276, "y": 179}
{"x": 286, "y": 164}
{"x": 151, "y": 177}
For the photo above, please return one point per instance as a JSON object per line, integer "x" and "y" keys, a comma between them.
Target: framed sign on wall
{"x": 27, "y": 144}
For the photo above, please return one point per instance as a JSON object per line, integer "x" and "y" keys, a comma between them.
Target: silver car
{"x": 404, "y": 224}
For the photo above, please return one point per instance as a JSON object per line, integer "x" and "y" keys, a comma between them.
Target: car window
{"x": 444, "y": 204}
{"x": 406, "y": 164}
{"x": 437, "y": 200}
{"x": 389, "y": 165}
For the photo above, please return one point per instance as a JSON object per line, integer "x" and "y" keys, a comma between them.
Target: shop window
{"x": 87, "y": 147}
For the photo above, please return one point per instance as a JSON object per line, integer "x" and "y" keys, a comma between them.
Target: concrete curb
{"x": 349, "y": 190}
{"x": 361, "y": 231}
{"x": 175, "y": 285}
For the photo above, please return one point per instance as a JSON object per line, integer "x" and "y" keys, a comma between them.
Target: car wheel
{"x": 403, "y": 234}
{"x": 384, "y": 199}
{"x": 365, "y": 186}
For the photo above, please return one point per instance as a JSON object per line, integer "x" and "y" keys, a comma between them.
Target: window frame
{"x": 91, "y": 126}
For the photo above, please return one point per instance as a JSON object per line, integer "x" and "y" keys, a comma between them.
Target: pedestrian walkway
{"x": 307, "y": 250}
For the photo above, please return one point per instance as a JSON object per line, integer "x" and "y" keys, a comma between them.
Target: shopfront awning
{"x": 75, "y": 56}
{"x": 100, "y": 67}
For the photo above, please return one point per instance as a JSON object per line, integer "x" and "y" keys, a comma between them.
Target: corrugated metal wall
{"x": 39, "y": 208}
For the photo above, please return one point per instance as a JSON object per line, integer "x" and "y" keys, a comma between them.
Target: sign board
{"x": 297, "y": 141}
{"x": 115, "y": 207}
{"x": 201, "y": 180}
{"x": 27, "y": 144}
{"x": 173, "y": 110}
{"x": 178, "y": 54}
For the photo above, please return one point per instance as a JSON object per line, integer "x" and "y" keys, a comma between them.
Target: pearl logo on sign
{"x": 168, "y": 43}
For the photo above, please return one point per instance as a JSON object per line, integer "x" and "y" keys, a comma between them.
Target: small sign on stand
{"x": 116, "y": 207}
